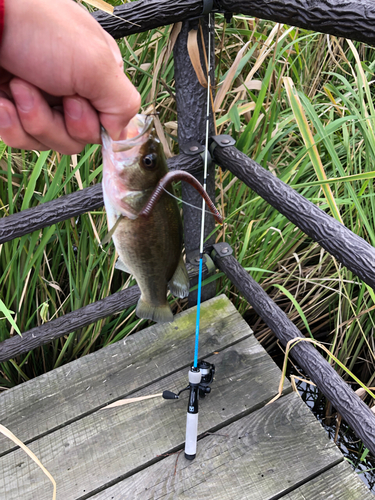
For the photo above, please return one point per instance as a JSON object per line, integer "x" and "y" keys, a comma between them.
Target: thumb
{"x": 114, "y": 49}
{"x": 118, "y": 108}
{"x": 107, "y": 87}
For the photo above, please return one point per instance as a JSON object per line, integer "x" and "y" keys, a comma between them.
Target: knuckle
{"x": 70, "y": 150}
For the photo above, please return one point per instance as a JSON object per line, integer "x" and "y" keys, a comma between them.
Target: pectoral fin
{"x": 121, "y": 266}
{"x": 110, "y": 233}
{"x": 160, "y": 314}
{"x": 179, "y": 284}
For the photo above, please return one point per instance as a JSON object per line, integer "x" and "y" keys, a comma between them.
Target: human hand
{"x": 61, "y": 76}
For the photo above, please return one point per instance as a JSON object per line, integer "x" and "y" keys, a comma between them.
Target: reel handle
{"x": 169, "y": 395}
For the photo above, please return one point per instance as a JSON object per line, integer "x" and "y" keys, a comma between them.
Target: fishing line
{"x": 186, "y": 203}
{"x": 200, "y": 376}
{"x": 203, "y": 202}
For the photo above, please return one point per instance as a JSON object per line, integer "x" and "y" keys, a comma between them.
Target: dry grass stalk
{"x": 193, "y": 50}
{"x": 7, "y": 433}
{"x": 101, "y": 5}
{"x": 122, "y": 402}
{"x": 294, "y": 342}
{"x": 227, "y": 83}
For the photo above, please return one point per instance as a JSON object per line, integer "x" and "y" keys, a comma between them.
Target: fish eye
{"x": 149, "y": 161}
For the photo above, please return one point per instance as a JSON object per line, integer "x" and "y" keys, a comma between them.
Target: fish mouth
{"x": 137, "y": 134}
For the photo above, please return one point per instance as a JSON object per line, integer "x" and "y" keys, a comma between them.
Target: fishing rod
{"x": 200, "y": 379}
{"x": 196, "y": 371}
{"x": 201, "y": 373}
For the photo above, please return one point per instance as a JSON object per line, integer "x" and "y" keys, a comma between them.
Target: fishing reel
{"x": 200, "y": 378}
{"x": 207, "y": 371}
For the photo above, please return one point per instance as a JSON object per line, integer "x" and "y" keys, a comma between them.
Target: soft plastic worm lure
{"x": 178, "y": 175}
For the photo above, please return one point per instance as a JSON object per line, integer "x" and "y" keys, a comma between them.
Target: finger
{"x": 119, "y": 108}
{"x": 40, "y": 121}
{"x": 5, "y": 76}
{"x": 112, "y": 95}
{"x": 115, "y": 49}
{"x": 81, "y": 120}
{"x": 11, "y": 130}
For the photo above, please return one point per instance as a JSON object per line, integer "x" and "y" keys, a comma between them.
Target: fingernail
{"x": 5, "y": 119}
{"x": 73, "y": 108}
{"x": 23, "y": 97}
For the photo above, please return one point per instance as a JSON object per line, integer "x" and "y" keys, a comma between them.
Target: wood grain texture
{"x": 68, "y": 323}
{"x": 74, "y": 204}
{"x": 38, "y": 336}
{"x": 347, "y": 403}
{"x": 83, "y": 386}
{"x": 260, "y": 457}
{"x": 348, "y": 248}
{"x": 106, "y": 446}
{"x": 191, "y": 102}
{"x": 51, "y": 212}
{"x": 337, "y": 483}
{"x": 353, "y": 19}
{"x": 144, "y": 15}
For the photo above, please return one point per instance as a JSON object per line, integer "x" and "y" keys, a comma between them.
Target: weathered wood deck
{"x": 247, "y": 450}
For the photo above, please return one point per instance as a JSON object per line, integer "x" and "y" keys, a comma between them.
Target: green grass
{"x": 327, "y": 132}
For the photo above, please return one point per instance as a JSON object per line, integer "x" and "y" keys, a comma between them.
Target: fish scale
{"x": 149, "y": 248}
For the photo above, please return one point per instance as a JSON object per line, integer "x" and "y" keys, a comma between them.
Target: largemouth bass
{"x": 149, "y": 248}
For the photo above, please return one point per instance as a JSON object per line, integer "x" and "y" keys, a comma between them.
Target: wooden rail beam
{"x": 144, "y": 15}
{"x": 347, "y": 403}
{"x": 354, "y": 19}
{"x": 73, "y": 205}
{"x": 348, "y": 248}
{"x": 40, "y": 335}
{"x": 51, "y": 212}
{"x": 68, "y": 323}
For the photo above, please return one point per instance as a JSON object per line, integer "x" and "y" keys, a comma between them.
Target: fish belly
{"x": 151, "y": 250}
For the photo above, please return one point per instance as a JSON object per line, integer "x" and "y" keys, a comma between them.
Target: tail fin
{"x": 159, "y": 314}
{"x": 179, "y": 284}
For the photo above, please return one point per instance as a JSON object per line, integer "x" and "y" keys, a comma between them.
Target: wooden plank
{"x": 70, "y": 322}
{"x": 102, "y": 448}
{"x": 81, "y": 387}
{"x": 338, "y": 483}
{"x": 74, "y": 204}
{"x": 348, "y": 404}
{"x": 263, "y": 456}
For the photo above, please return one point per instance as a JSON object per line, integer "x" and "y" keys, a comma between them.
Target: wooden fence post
{"x": 191, "y": 99}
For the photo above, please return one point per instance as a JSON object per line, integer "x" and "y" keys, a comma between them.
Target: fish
{"x": 149, "y": 248}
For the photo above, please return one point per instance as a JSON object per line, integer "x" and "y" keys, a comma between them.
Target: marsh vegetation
{"x": 297, "y": 102}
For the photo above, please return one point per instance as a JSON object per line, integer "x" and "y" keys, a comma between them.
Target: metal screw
{"x": 225, "y": 141}
{"x": 193, "y": 148}
{"x": 225, "y": 250}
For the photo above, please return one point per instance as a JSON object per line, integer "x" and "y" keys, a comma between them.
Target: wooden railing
{"x": 353, "y": 19}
